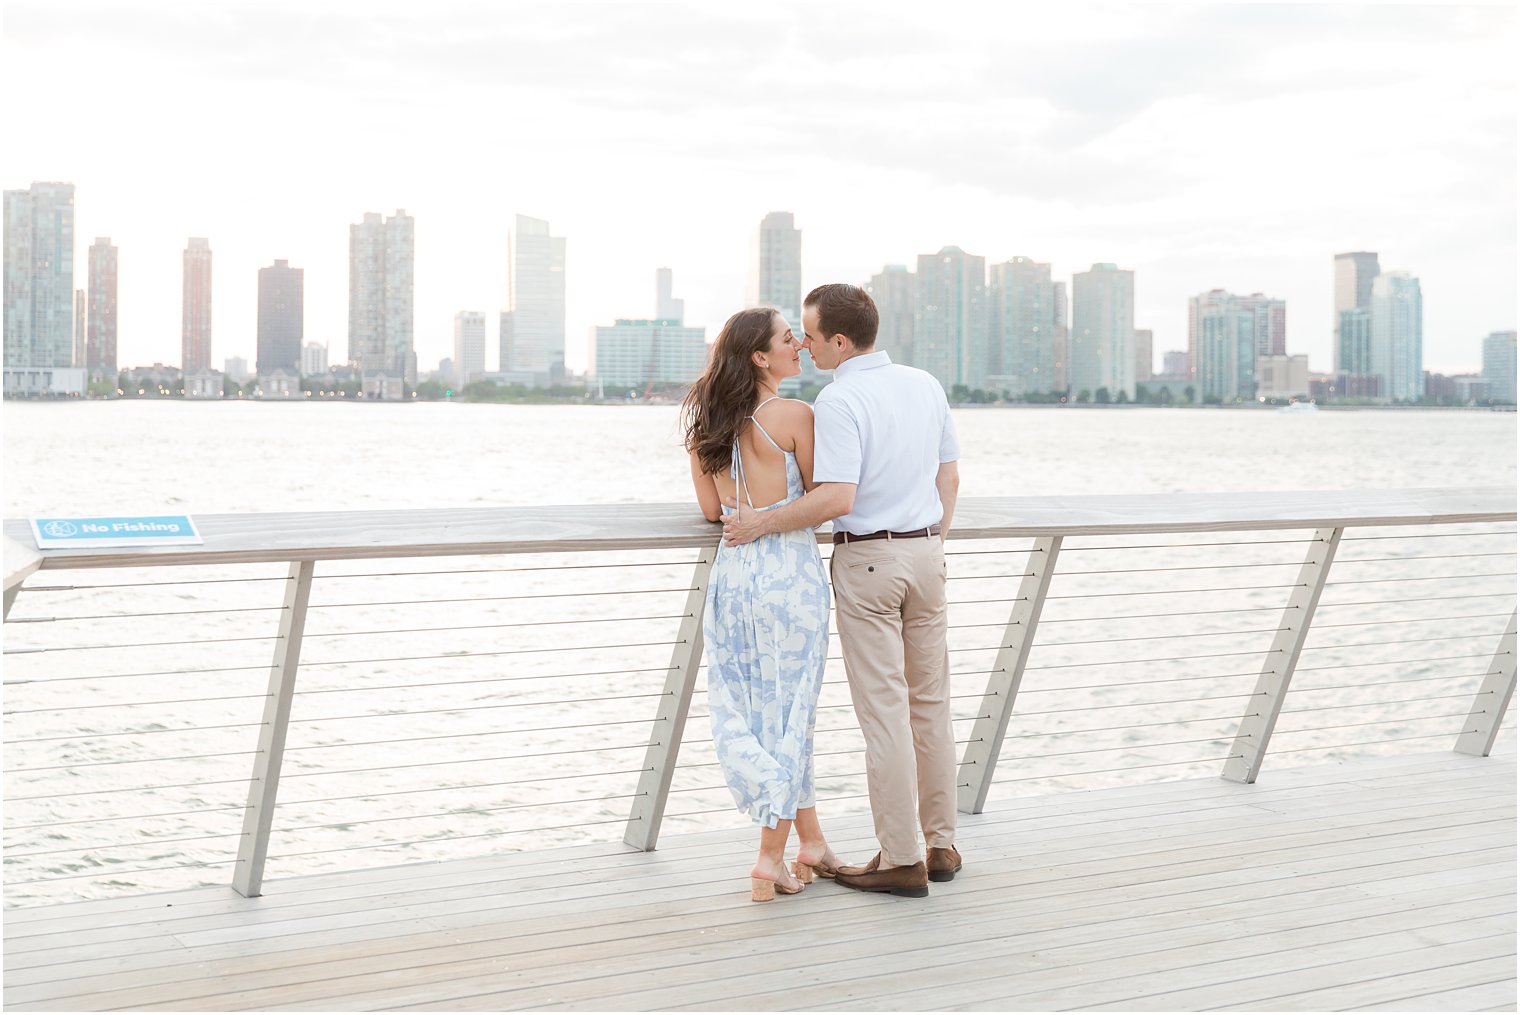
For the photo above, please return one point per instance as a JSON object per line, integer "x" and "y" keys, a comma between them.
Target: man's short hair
{"x": 847, "y": 310}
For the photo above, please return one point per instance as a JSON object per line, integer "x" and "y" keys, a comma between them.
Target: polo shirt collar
{"x": 866, "y": 361}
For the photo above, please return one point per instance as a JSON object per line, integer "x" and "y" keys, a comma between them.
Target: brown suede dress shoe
{"x": 943, "y": 863}
{"x": 912, "y": 882}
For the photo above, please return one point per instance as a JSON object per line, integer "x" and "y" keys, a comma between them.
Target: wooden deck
{"x": 1376, "y": 884}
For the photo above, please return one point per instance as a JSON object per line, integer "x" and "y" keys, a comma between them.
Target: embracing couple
{"x": 877, "y": 456}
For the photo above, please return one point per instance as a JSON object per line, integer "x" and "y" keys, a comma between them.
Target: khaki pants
{"x": 889, "y": 597}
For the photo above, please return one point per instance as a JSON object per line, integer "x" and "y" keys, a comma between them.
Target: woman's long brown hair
{"x": 718, "y": 404}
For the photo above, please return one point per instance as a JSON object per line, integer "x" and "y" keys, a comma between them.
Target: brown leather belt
{"x": 850, "y": 537}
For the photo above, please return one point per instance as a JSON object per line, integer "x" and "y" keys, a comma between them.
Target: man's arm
{"x": 812, "y": 509}
{"x": 947, "y": 481}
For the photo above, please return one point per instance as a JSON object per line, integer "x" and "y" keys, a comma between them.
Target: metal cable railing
{"x": 599, "y": 749}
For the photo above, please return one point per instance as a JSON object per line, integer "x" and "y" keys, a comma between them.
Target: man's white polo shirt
{"x": 886, "y": 428}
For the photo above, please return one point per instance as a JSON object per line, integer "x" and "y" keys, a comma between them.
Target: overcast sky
{"x": 1203, "y": 146}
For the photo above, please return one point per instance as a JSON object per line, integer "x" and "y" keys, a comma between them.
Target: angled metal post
{"x": 249, "y": 876}
{"x": 1255, "y": 733}
{"x": 1492, "y": 701}
{"x": 980, "y": 759}
{"x": 648, "y": 810}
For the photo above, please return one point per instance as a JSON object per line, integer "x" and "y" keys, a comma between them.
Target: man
{"x": 885, "y": 464}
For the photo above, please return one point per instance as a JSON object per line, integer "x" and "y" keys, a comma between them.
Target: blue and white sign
{"x": 81, "y": 533}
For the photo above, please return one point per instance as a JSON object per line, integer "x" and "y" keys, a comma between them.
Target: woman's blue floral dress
{"x": 767, "y": 633}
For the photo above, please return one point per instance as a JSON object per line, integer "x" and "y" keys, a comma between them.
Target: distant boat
{"x": 1297, "y": 407}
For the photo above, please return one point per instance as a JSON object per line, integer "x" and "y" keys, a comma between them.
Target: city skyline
{"x": 1041, "y": 162}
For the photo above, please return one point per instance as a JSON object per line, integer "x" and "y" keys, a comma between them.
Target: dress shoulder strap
{"x": 763, "y": 432}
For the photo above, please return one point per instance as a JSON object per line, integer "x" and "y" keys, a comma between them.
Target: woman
{"x": 767, "y": 620}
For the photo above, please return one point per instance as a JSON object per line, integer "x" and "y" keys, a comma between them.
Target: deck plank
{"x": 1358, "y": 884}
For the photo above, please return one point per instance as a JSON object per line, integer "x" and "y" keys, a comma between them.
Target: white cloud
{"x": 1202, "y": 145}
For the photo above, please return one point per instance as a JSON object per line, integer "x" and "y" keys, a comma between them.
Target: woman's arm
{"x": 707, "y": 492}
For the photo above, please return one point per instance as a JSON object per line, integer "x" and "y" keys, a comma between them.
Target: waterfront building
{"x": 282, "y": 301}
{"x": 383, "y": 387}
{"x": 44, "y": 382}
{"x": 313, "y": 359}
{"x": 533, "y": 328}
{"x": 894, "y": 290}
{"x": 637, "y": 354}
{"x": 204, "y": 383}
{"x": 1174, "y": 363}
{"x": 81, "y": 331}
{"x": 381, "y": 261}
{"x": 1103, "y": 331}
{"x": 1354, "y": 273}
{"x": 1222, "y": 338}
{"x": 100, "y": 338}
{"x": 1062, "y": 353}
{"x": 1282, "y": 376}
{"x": 666, "y": 306}
{"x": 775, "y": 280}
{"x": 236, "y": 368}
{"x": 469, "y": 346}
{"x": 1353, "y": 350}
{"x": 1499, "y": 367}
{"x": 775, "y": 267}
{"x": 1021, "y": 321}
{"x": 195, "y": 315}
{"x": 1144, "y": 356}
{"x": 279, "y": 384}
{"x": 39, "y": 300}
{"x": 1398, "y": 335}
{"x": 950, "y": 323}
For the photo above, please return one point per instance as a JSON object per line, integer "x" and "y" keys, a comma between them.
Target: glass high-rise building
{"x": 1102, "y": 338}
{"x": 101, "y": 334}
{"x": 381, "y": 256}
{"x": 666, "y": 306}
{"x": 282, "y": 301}
{"x": 634, "y": 354}
{"x": 775, "y": 280}
{"x": 1021, "y": 323}
{"x": 894, "y": 290}
{"x": 469, "y": 345}
{"x": 1499, "y": 367}
{"x": 1398, "y": 353}
{"x": 39, "y": 276}
{"x": 1354, "y": 273}
{"x": 81, "y": 314}
{"x": 950, "y": 324}
{"x": 1222, "y": 343}
{"x": 195, "y": 316}
{"x": 533, "y": 330}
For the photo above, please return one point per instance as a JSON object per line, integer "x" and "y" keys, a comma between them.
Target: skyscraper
{"x": 1353, "y": 343}
{"x": 81, "y": 315}
{"x": 1222, "y": 344}
{"x": 469, "y": 345}
{"x": 1062, "y": 354}
{"x": 381, "y": 255}
{"x": 1499, "y": 367}
{"x": 1354, "y": 273}
{"x": 1144, "y": 354}
{"x": 313, "y": 359}
{"x": 895, "y": 291}
{"x": 533, "y": 330}
{"x": 775, "y": 279}
{"x": 950, "y": 325}
{"x": 282, "y": 303}
{"x": 775, "y": 267}
{"x": 195, "y": 327}
{"x": 666, "y": 306}
{"x": 1398, "y": 335}
{"x": 100, "y": 339}
{"x": 1103, "y": 331}
{"x": 39, "y": 276}
{"x": 1021, "y": 321}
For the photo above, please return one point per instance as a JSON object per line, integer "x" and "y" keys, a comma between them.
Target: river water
{"x": 494, "y": 703}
